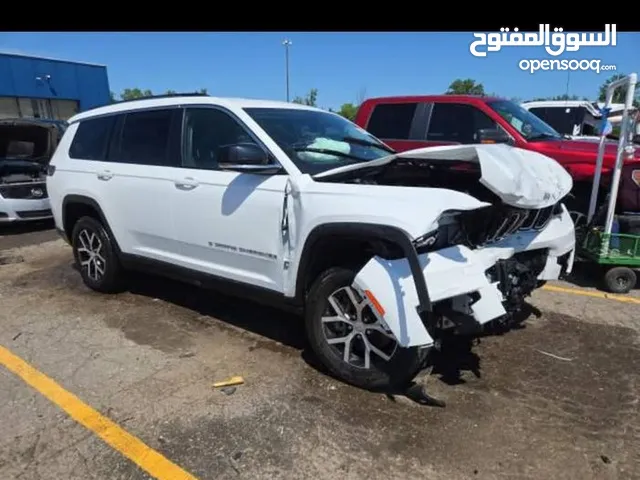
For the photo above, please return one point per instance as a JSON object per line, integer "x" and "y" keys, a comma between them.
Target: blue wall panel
{"x": 27, "y": 77}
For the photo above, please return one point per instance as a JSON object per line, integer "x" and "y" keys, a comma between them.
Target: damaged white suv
{"x": 381, "y": 251}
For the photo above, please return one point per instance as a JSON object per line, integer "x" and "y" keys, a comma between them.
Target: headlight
{"x": 427, "y": 240}
{"x": 447, "y": 233}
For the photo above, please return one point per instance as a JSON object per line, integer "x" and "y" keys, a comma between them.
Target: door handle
{"x": 104, "y": 176}
{"x": 188, "y": 183}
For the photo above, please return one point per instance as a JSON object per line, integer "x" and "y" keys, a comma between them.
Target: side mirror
{"x": 243, "y": 154}
{"x": 246, "y": 158}
{"x": 492, "y": 135}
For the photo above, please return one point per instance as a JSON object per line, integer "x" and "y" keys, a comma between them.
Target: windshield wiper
{"x": 328, "y": 151}
{"x": 367, "y": 143}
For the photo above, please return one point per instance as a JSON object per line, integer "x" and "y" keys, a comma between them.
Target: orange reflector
{"x": 374, "y": 301}
{"x": 487, "y": 141}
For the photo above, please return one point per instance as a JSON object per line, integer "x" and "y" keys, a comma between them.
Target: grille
{"x": 24, "y": 191}
{"x": 497, "y": 222}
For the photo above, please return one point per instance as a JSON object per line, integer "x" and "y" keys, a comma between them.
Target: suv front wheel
{"x": 95, "y": 256}
{"x": 350, "y": 340}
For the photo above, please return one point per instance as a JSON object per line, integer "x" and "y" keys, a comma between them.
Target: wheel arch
{"x": 383, "y": 240}
{"x": 76, "y": 206}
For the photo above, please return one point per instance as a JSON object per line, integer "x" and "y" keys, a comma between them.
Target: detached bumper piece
{"x": 482, "y": 284}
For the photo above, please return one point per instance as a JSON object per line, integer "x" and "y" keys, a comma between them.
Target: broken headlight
{"x": 447, "y": 234}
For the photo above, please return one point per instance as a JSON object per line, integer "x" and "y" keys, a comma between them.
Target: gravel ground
{"x": 147, "y": 360}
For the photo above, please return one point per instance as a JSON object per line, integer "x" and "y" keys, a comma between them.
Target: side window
{"x": 457, "y": 122}
{"x": 205, "y": 131}
{"x": 92, "y": 139}
{"x": 392, "y": 120}
{"x": 145, "y": 138}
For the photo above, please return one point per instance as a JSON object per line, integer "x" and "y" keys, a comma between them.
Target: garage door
{"x": 9, "y": 107}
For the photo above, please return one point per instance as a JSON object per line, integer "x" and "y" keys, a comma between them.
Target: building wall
{"x": 44, "y": 88}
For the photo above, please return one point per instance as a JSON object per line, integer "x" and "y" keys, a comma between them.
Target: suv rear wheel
{"x": 350, "y": 341}
{"x": 96, "y": 257}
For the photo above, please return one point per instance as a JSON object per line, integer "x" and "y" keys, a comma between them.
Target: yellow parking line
{"x": 131, "y": 447}
{"x": 588, "y": 293}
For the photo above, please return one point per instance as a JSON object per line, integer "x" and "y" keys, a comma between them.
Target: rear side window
{"x": 92, "y": 138}
{"x": 145, "y": 138}
{"x": 392, "y": 120}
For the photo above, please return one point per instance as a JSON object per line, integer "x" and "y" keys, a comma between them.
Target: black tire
{"x": 620, "y": 279}
{"x": 393, "y": 374}
{"x": 111, "y": 278}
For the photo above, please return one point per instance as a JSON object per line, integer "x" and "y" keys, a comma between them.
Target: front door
{"x": 226, "y": 223}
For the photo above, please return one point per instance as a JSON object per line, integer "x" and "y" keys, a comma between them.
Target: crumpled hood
{"x": 520, "y": 178}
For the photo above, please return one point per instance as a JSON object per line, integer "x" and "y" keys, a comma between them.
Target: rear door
{"x": 138, "y": 181}
{"x": 401, "y": 125}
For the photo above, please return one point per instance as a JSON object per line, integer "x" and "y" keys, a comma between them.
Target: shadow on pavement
{"x": 447, "y": 364}
{"x": 26, "y": 233}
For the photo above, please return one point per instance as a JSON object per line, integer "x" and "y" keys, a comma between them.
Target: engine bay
{"x": 460, "y": 176}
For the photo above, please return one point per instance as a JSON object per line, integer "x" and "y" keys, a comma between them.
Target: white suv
{"x": 382, "y": 252}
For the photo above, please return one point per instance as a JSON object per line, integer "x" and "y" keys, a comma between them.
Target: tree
{"x": 309, "y": 99}
{"x": 348, "y": 111}
{"x": 465, "y": 87}
{"x": 619, "y": 95}
{"x": 134, "y": 93}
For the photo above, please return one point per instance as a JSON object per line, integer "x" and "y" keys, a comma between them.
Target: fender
{"x": 89, "y": 202}
{"x": 373, "y": 231}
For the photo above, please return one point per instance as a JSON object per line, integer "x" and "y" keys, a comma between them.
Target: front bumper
{"x": 21, "y": 210}
{"x": 456, "y": 272}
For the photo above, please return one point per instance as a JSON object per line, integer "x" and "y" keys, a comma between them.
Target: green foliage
{"x": 349, "y": 111}
{"x": 619, "y": 95}
{"x": 466, "y": 86}
{"x": 135, "y": 93}
{"x": 309, "y": 99}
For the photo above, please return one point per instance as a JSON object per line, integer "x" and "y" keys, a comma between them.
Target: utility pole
{"x": 287, "y": 44}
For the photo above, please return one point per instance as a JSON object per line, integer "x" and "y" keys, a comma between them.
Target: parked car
{"x": 579, "y": 119}
{"x": 293, "y": 205}
{"x": 421, "y": 121}
{"x": 26, "y": 146}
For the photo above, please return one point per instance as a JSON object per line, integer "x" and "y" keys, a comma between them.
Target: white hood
{"x": 520, "y": 178}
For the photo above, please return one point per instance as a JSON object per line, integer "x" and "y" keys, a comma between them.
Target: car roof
{"x": 429, "y": 98}
{"x": 169, "y": 101}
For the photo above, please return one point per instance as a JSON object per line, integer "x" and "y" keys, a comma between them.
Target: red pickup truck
{"x": 410, "y": 122}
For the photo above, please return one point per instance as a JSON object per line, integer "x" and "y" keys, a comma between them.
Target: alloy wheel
{"x": 354, "y": 331}
{"x": 90, "y": 254}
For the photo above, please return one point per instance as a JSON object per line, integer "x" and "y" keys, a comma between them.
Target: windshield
{"x": 317, "y": 141}
{"x": 526, "y": 123}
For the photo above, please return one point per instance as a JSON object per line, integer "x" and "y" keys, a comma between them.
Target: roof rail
{"x": 166, "y": 95}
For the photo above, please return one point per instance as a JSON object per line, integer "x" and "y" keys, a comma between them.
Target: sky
{"x": 344, "y": 67}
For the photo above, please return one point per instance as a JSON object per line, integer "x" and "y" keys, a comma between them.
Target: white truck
{"x": 381, "y": 252}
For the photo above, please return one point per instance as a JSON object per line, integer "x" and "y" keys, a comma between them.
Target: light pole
{"x": 287, "y": 44}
